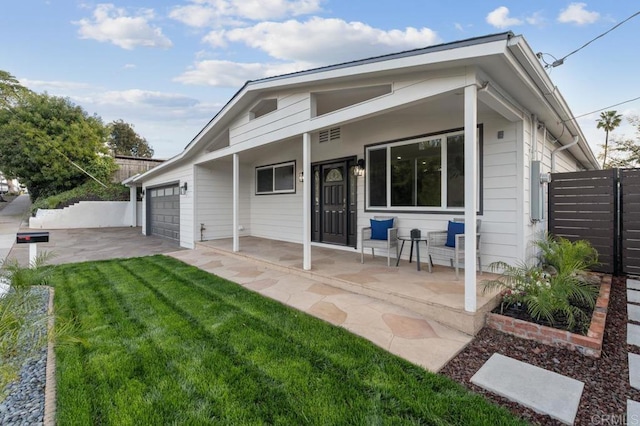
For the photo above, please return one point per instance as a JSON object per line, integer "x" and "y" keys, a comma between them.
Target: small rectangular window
{"x": 276, "y": 179}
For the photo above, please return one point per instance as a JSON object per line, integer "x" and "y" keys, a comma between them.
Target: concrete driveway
{"x": 79, "y": 245}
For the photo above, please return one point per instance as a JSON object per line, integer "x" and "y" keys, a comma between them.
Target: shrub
{"x": 556, "y": 288}
{"x": 89, "y": 191}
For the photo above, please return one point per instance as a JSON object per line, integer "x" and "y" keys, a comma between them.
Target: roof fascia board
{"x": 409, "y": 95}
{"x": 532, "y": 73}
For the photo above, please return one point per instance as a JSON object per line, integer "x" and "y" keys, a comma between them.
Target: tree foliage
{"x": 41, "y": 136}
{"x": 608, "y": 121}
{"x": 11, "y": 91}
{"x": 625, "y": 152}
{"x": 123, "y": 140}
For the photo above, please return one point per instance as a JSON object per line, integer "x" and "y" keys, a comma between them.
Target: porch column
{"x": 133, "y": 199}
{"x": 470, "y": 195}
{"x": 306, "y": 201}
{"x": 236, "y": 186}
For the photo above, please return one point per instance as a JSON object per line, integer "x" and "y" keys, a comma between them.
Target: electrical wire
{"x": 601, "y": 109}
{"x": 561, "y": 60}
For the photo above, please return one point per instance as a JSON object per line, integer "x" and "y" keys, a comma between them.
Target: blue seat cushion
{"x": 453, "y": 229}
{"x": 379, "y": 228}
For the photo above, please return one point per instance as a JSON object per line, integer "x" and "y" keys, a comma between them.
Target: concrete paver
{"x": 633, "y": 296}
{"x": 633, "y": 412}
{"x": 633, "y": 334}
{"x": 634, "y": 370}
{"x": 633, "y": 312}
{"x": 541, "y": 390}
{"x": 633, "y": 284}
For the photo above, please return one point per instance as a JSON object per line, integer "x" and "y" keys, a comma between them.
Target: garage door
{"x": 164, "y": 212}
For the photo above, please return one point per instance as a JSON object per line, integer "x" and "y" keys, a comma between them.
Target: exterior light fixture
{"x": 301, "y": 177}
{"x": 183, "y": 189}
{"x": 358, "y": 169}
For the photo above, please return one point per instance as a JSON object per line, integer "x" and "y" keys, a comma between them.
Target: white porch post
{"x": 470, "y": 195}
{"x": 306, "y": 201}
{"x": 133, "y": 199}
{"x": 236, "y": 196}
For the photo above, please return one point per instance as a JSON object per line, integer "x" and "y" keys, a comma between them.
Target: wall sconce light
{"x": 358, "y": 169}
{"x": 143, "y": 192}
{"x": 183, "y": 189}
{"x": 301, "y": 177}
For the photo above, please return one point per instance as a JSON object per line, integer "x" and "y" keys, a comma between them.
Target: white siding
{"x": 181, "y": 174}
{"x": 293, "y": 109}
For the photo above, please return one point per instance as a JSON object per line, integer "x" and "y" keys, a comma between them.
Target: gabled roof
{"x": 514, "y": 50}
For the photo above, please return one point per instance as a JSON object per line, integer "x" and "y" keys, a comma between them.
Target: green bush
{"x": 89, "y": 191}
{"x": 557, "y": 287}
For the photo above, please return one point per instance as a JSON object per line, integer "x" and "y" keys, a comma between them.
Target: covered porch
{"x": 438, "y": 295}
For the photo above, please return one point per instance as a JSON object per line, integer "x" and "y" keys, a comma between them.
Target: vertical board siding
{"x": 630, "y": 220}
{"x": 583, "y": 206}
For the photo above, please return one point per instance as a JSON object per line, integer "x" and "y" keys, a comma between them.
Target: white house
{"x": 469, "y": 128}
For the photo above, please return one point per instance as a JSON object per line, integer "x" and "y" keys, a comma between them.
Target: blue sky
{"x": 168, "y": 66}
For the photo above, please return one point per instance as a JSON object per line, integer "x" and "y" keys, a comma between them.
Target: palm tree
{"x": 608, "y": 121}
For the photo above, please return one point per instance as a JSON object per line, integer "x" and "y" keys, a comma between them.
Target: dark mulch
{"x": 606, "y": 379}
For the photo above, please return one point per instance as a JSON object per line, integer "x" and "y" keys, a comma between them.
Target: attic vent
{"x": 329, "y": 135}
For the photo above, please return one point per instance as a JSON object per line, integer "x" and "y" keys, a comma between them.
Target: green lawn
{"x": 167, "y": 343}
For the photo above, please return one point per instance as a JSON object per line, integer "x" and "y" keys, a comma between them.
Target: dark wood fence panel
{"x": 630, "y": 220}
{"x": 584, "y": 206}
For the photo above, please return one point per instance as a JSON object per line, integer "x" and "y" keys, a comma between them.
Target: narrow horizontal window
{"x": 276, "y": 179}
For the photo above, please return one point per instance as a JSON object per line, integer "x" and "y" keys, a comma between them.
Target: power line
{"x": 560, "y": 61}
{"x": 601, "y": 109}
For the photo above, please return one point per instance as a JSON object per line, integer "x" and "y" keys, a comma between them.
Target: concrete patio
{"x": 438, "y": 295}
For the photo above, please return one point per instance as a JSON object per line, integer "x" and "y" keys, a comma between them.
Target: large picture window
{"x": 425, "y": 173}
{"x": 276, "y": 178}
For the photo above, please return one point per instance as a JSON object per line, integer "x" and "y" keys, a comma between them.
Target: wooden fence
{"x": 602, "y": 207}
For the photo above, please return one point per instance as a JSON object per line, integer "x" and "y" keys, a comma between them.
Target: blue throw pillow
{"x": 379, "y": 228}
{"x": 454, "y": 229}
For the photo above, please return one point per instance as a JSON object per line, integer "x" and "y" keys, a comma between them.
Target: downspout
{"x": 562, "y": 148}
{"x": 533, "y": 152}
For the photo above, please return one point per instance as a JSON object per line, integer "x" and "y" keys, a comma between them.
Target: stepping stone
{"x": 633, "y": 334}
{"x": 633, "y": 284}
{"x": 634, "y": 370}
{"x": 633, "y": 296}
{"x": 541, "y": 390}
{"x": 633, "y": 412}
{"x": 633, "y": 312}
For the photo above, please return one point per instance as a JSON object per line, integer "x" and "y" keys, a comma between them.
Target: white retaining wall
{"x": 87, "y": 214}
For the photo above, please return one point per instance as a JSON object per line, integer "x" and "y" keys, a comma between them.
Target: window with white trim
{"x": 276, "y": 178}
{"x": 421, "y": 174}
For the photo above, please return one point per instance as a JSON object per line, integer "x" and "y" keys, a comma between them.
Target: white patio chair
{"x": 388, "y": 244}
{"x": 436, "y": 247}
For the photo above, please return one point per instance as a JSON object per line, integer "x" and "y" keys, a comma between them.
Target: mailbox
{"x": 32, "y": 237}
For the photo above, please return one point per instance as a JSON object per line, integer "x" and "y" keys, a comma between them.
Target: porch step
{"x": 458, "y": 319}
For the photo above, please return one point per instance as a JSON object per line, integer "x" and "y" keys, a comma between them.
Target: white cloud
{"x": 536, "y": 19}
{"x": 323, "y": 41}
{"x": 233, "y": 74}
{"x": 53, "y": 85}
{"x": 111, "y": 24}
{"x": 146, "y": 98}
{"x": 215, "y": 13}
{"x": 129, "y": 66}
{"x": 576, "y": 13}
{"x": 500, "y": 18}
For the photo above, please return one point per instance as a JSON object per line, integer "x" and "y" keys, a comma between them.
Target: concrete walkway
{"x": 633, "y": 338}
{"x": 11, "y": 218}
{"x": 400, "y": 331}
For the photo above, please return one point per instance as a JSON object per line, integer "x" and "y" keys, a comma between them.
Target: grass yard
{"x": 167, "y": 343}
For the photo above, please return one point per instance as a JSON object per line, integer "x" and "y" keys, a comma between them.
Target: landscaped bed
{"x": 606, "y": 379}
{"x": 166, "y": 343}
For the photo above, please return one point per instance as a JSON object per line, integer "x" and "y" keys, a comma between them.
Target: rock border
{"x": 589, "y": 345}
{"x": 50, "y": 381}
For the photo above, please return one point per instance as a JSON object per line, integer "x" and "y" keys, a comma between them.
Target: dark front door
{"x": 333, "y": 202}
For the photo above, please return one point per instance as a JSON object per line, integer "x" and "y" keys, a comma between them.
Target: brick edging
{"x": 50, "y": 379}
{"x": 590, "y": 345}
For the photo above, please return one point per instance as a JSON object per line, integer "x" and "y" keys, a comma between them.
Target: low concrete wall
{"x": 87, "y": 214}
